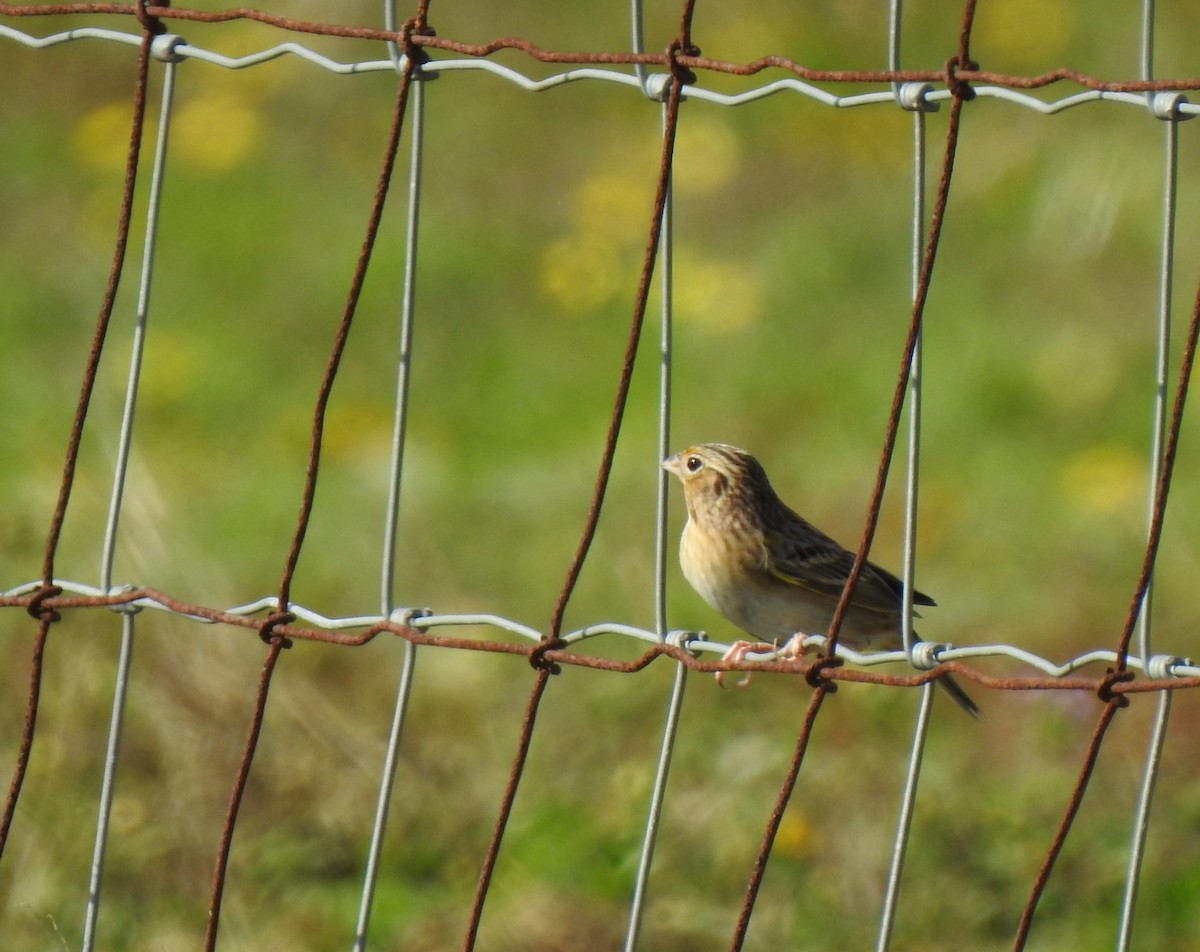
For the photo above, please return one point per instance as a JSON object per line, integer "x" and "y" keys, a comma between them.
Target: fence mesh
{"x": 360, "y": 271}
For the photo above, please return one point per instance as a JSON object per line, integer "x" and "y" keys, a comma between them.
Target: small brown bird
{"x": 772, "y": 573}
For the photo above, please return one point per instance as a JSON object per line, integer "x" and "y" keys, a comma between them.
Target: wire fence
{"x": 672, "y": 80}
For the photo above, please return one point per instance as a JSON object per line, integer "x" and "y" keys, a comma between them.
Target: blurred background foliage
{"x": 792, "y": 223}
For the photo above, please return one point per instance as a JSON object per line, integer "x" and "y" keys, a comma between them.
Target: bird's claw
{"x": 736, "y": 655}
{"x": 794, "y": 648}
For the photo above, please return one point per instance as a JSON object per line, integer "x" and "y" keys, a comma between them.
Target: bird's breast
{"x": 730, "y": 574}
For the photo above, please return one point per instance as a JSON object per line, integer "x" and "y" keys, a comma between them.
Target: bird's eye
{"x": 694, "y": 464}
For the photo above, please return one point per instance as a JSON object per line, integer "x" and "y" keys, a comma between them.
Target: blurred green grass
{"x": 792, "y": 268}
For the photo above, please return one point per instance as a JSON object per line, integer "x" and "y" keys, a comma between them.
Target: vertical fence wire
{"x": 887, "y": 915}
{"x": 961, "y": 92}
{"x": 551, "y": 639}
{"x": 107, "y": 783}
{"x": 404, "y": 359}
{"x": 391, "y": 519}
{"x": 1114, "y": 700}
{"x": 1158, "y": 438}
{"x": 891, "y": 900}
{"x": 277, "y": 642}
{"x": 913, "y": 455}
{"x": 1141, "y": 823}
{"x": 658, "y": 797}
{"x": 1161, "y": 405}
{"x": 670, "y": 120}
{"x": 637, "y": 31}
{"x": 108, "y": 552}
{"x": 1025, "y": 923}
{"x": 758, "y": 870}
{"x": 125, "y": 435}
{"x": 1147, "y": 36}
{"x": 895, "y": 12}
{"x": 221, "y": 865}
{"x": 679, "y": 682}
{"x": 47, "y": 616}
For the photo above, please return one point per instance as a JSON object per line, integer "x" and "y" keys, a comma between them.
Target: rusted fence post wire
{"x": 817, "y": 675}
{"x": 961, "y": 92}
{"x": 1064, "y": 827}
{"x": 1121, "y": 673}
{"x": 276, "y": 642}
{"x": 46, "y": 617}
{"x": 825, "y": 687}
{"x": 551, "y": 640}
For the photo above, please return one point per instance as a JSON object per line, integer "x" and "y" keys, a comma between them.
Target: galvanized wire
{"x": 413, "y": 622}
{"x": 887, "y": 916}
{"x": 45, "y": 588}
{"x": 391, "y": 517}
{"x": 1132, "y": 93}
{"x": 162, "y": 50}
{"x": 658, "y": 791}
{"x": 1162, "y": 714}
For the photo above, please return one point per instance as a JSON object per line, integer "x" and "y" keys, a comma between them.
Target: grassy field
{"x": 791, "y": 302}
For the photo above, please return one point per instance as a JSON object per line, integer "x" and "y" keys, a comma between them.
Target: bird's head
{"x": 717, "y": 475}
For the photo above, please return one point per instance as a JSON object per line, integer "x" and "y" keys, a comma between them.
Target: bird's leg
{"x": 736, "y": 655}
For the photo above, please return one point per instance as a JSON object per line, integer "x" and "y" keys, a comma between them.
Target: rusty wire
{"x": 962, "y": 93}
{"x": 828, "y": 664}
{"x": 269, "y": 633}
{"x": 1162, "y": 487}
{"x": 690, "y": 60}
{"x": 412, "y": 632}
{"x": 1064, "y": 827}
{"x": 680, "y": 60}
{"x": 37, "y": 606}
{"x": 550, "y": 640}
{"x": 759, "y": 869}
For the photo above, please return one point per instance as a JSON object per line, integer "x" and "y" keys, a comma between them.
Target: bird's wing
{"x": 805, "y": 556}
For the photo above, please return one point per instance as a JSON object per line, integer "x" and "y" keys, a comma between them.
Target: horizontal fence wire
{"x": 1164, "y": 671}
{"x": 1007, "y": 88}
{"x": 416, "y": 54}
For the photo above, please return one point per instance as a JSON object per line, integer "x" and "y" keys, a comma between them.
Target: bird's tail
{"x": 961, "y": 697}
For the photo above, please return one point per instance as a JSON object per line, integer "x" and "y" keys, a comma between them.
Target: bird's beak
{"x": 672, "y": 465}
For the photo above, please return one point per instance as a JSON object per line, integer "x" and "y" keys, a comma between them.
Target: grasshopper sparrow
{"x": 772, "y": 573}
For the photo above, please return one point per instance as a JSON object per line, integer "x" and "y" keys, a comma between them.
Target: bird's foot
{"x": 795, "y": 647}
{"x": 737, "y": 654}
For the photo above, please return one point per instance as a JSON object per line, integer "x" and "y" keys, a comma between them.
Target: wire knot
{"x": 679, "y": 72}
{"x": 816, "y": 675}
{"x": 35, "y": 607}
{"x": 151, "y": 24}
{"x": 538, "y": 659}
{"x": 417, "y": 26}
{"x": 925, "y": 654}
{"x": 958, "y": 88}
{"x": 267, "y": 631}
{"x": 1162, "y": 666}
{"x": 1105, "y": 691}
